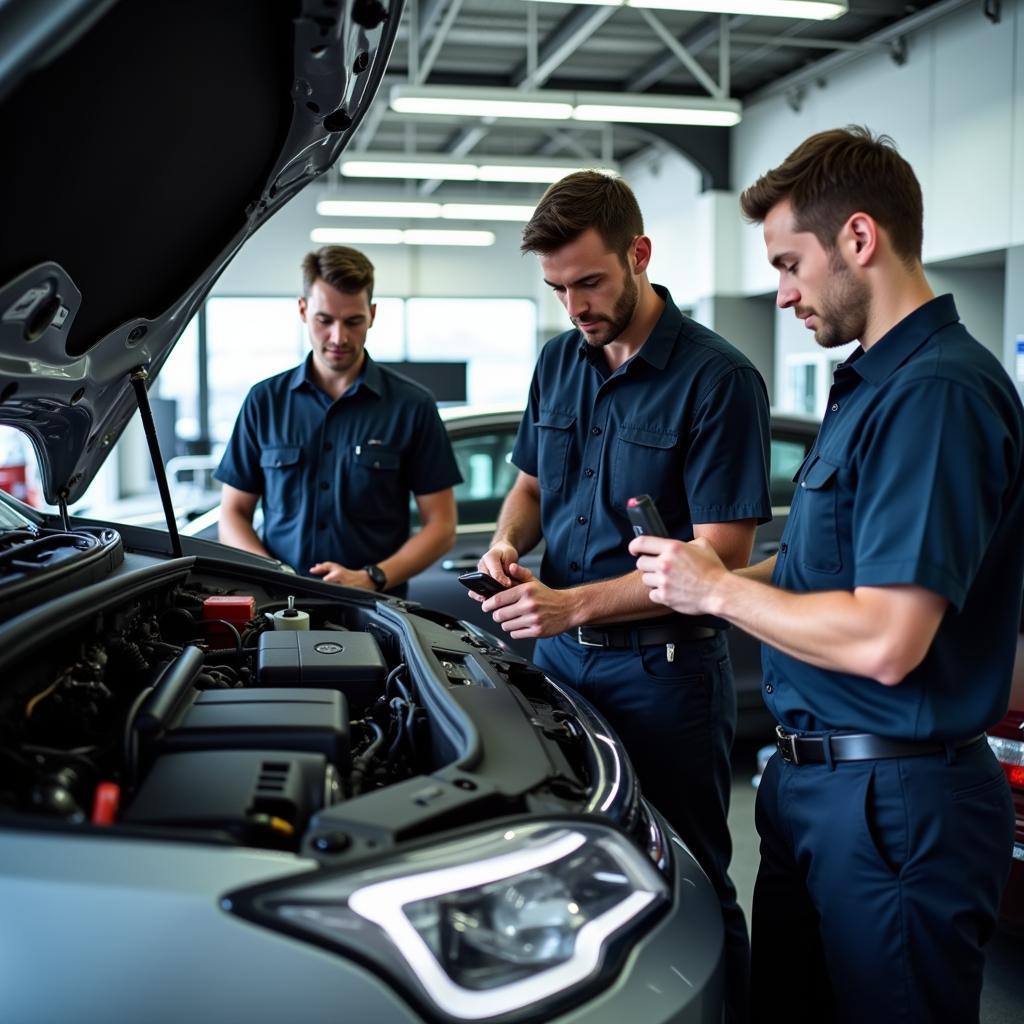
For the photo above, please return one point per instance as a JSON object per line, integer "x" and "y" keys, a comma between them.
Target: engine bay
{"x": 193, "y": 705}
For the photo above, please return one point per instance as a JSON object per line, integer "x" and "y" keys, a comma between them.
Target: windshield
{"x": 10, "y": 517}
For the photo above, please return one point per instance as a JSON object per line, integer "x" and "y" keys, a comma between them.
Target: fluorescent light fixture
{"x": 597, "y": 106}
{"x": 360, "y": 208}
{"x": 812, "y": 10}
{"x": 402, "y": 167}
{"x": 486, "y": 211}
{"x": 402, "y": 209}
{"x": 486, "y": 168}
{"x": 537, "y": 174}
{"x": 394, "y": 236}
{"x": 470, "y": 101}
{"x": 420, "y": 237}
{"x": 656, "y": 110}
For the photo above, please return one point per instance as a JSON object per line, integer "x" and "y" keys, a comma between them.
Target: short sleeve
{"x": 432, "y": 466}
{"x": 726, "y": 474}
{"x": 932, "y": 472}
{"x": 524, "y": 452}
{"x": 240, "y": 465}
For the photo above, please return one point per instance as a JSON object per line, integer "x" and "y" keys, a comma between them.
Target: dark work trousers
{"x": 878, "y": 887}
{"x": 677, "y": 721}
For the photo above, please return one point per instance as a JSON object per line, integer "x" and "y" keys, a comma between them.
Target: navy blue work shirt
{"x": 684, "y": 420}
{"x": 917, "y": 477}
{"x": 335, "y": 475}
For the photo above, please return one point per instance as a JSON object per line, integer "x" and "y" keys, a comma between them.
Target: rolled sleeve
{"x": 726, "y": 474}
{"x": 932, "y": 478}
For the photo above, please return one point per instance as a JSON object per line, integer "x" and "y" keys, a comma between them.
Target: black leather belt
{"x": 643, "y": 636}
{"x": 860, "y": 746}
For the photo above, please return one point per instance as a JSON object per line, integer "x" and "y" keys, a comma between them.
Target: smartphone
{"x": 645, "y": 517}
{"x": 481, "y": 583}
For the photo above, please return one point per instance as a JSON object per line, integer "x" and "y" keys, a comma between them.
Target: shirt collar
{"x": 371, "y": 378}
{"x": 660, "y": 342}
{"x": 898, "y": 344}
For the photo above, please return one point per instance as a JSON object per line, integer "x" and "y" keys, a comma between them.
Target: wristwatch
{"x": 377, "y": 577}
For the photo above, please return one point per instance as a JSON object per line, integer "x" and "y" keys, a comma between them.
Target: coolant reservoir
{"x": 291, "y": 617}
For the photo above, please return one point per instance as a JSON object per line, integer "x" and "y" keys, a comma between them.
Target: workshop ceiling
{"x": 524, "y": 45}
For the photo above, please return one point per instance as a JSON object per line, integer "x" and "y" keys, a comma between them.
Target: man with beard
{"x": 333, "y": 447}
{"x": 636, "y": 399}
{"x": 889, "y": 616}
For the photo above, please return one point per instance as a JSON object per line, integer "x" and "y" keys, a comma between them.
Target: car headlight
{"x": 485, "y": 925}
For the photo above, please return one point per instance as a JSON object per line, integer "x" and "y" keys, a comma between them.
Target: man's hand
{"x": 498, "y": 561}
{"x": 680, "y": 575}
{"x": 332, "y": 572}
{"x": 529, "y": 609}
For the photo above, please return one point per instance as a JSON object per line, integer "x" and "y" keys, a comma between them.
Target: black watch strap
{"x": 377, "y": 576}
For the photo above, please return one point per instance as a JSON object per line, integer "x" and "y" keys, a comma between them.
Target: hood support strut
{"x": 138, "y": 377}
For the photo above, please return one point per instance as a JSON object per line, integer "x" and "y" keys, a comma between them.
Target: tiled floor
{"x": 1002, "y": 999}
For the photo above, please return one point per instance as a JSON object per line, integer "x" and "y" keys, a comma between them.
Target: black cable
{"x": 231, "y": 626}
{"x": 393, "y": 678}
{"x": 361, "y": 763}
{"x": 131, "y": 738}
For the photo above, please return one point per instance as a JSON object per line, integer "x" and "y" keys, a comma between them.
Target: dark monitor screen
{"x": 445, "y": 381}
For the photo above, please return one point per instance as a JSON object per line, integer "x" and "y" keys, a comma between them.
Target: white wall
{"x": 667, "y": 187}
{"x": 956, "y": 111}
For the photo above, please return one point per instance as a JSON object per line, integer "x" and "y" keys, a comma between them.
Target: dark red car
{"x": 1007, "y": 741}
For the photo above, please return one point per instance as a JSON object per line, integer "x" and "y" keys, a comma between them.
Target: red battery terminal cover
{"x": 238, "y": 609}
{"x": 105, "y": 803}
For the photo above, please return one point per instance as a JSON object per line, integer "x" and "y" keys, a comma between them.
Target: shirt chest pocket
{"x": 644, "y": 463}
{"x": 376, "y": 489}
{"x": 282, "y": 473}
{"x": 554, "y": 433}
{"x": 818, "y": 537}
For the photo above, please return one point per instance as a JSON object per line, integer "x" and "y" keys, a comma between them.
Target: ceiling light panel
{"x": 473, "y": 102}
{"x": 362, "y": 208}
{"x": 394, "y": 236}
{"x": 811, "y": 10}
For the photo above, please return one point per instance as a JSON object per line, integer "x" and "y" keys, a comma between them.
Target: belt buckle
{"x": 786, "y": 743}
{"x": 585, "y": 643}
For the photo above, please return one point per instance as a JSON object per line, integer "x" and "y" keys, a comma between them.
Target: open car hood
{"x": 145, "y": 141}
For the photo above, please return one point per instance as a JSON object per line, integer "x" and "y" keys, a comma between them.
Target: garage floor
{"x": 1002, "y": 999}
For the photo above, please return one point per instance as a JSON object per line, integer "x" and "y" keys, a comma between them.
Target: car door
{"x": 483, "y": 451}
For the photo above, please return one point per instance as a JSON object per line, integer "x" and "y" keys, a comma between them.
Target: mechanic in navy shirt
{"x": 889, "y": 616}
{"x": 334, "y": 447}
{"x": 635, "y": 399}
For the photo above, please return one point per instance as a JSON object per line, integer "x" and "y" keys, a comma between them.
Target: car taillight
{"x": 1010, "y": 754}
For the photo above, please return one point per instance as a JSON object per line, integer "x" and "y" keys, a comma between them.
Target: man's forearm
{"x": 761, "y": 572}
{"x": 519, "y": 521}
{"x": 425, "y": 546}
{"x": 621, "y": 599}
{"x": 236, "y": 531}
{"x": 878, "y": 633}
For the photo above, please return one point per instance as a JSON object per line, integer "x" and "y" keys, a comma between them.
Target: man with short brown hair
{"x": 333, "y": 448}
{"x": 635, "y": 399}
{"x": 888, "y": 617}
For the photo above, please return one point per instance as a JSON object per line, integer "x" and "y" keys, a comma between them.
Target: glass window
{"x": 179, "y": 381}
{"x": 247, "y": 340}
{"x": 786, "y": 457}
{"x": 496, "y": 338}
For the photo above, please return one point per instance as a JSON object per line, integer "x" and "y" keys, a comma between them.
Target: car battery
{"x": 296, "y": 719}
{"x": 238, "y": 609}
{"x": 348, "y": 661}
